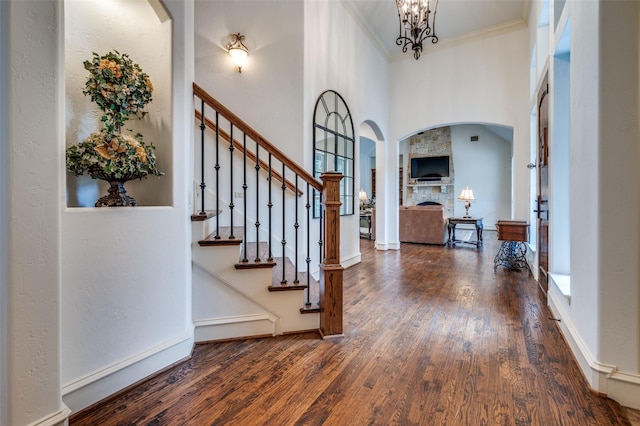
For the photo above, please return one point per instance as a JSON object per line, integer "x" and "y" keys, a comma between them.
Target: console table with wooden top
{"x": 513, "y": 250}
{"x": 451, "y": 226}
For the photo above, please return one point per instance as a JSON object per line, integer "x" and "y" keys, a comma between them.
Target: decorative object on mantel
{"x": 417, "y": 23}
{"x": 467, "y": 196}
{"x": 121, "y": 90}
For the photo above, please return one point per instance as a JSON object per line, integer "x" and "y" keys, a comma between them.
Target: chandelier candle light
{"x": 467, "y": 196}
{"x": 417, "y": 19}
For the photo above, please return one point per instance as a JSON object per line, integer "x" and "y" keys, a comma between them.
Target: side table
{"x": 451, "y": 226}
{"x": 365, "y": 219}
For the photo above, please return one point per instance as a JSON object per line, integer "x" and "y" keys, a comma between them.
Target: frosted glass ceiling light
{"x": 238, "y": 51}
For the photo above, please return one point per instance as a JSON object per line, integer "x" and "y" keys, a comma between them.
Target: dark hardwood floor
{"x": 433, "y": 337}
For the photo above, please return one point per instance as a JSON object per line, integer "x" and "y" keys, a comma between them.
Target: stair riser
{"x": 219, "y": 262}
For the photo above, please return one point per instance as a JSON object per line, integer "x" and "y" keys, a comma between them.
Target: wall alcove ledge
{"x": 136, "y": 29}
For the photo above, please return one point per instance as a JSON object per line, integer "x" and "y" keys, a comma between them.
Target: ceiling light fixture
{"x": 238, "y": 51}
{"x": 417, "y": 23}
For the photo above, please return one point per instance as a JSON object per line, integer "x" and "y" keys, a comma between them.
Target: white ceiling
{"x": 455, "y": 19}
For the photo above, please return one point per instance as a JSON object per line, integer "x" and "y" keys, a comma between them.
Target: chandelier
{"x": 417, "y": 23}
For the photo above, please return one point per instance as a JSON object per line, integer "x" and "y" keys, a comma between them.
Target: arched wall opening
{"x": 143, "y": 31}
{"x": 480, "y": 158}
{"x": 371, "y": 142}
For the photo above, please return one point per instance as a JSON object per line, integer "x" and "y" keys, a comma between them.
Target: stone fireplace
{"x": 431, "y": 143}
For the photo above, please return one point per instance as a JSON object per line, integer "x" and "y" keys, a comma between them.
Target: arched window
{"x": 333, "y": 146}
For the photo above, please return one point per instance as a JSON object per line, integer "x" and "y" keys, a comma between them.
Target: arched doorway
{"x": 480, "y": 158}
{"x": 371, "y": 141}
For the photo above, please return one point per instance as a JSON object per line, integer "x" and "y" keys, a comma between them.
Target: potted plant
{"x": 121, "y": 90}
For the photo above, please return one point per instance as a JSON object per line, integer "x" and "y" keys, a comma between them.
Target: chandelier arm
{"x": 413, "y": 29}
{"x": 404, "y": 42}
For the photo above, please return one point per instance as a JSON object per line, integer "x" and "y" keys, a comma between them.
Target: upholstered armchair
{"x": 423, "y": 224}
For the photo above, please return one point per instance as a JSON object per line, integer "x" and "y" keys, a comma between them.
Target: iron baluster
{"x": 202, "y": 184}
{"x": 284, "y": 241}
{"x": 257, "y": 259}
{"x": 244, "y": 194}
{"x": 217, "y": 167}
{"x": 231, "y": 205}
{"x": 270, "y": 207}
{"x": 320, "y": 241}
{"x": 308, "y": 259}
{"x": 296, "y": 225}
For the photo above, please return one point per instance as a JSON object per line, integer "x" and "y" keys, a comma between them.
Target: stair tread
{"x": 208, "y": 214}
{"x": 224, "y": 237}
{"x": 289, "y": 276}
{"x": 257, "y": 255}
{"x": 310, "y": 309}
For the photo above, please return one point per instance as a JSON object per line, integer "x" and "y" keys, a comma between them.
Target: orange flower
{"x": 142, "y": 154}
{"x": 104, "y": 153}
{"x": 111, "y": 66}
{"x": 130, "y": 140}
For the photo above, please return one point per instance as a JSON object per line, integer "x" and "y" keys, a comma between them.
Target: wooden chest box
{"x": 513, "y": 230}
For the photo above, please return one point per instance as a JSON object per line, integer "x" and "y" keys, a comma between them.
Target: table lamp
{"x": 467, "y": 196}
{"x": 363, "y": 197}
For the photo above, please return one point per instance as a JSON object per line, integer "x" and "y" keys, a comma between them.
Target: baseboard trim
{"x": 58, "y": 418}
{"x": 218, "y": 329}
{"x": 387, "y": 246}
{"x": 93, "y": 387}
{"x": 351, "y": 260}
{"x": 621, "y": 386}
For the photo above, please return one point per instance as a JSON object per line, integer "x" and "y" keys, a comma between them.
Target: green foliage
{"x": 112, "y": 156}
{"x": 121, "y": 90}
{"x": 118, "y": 86}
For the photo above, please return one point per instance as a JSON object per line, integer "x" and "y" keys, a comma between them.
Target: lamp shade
{"x": 466, "y": 195}
{"x": 238, "y": 56}
{"x": 363, "y": 195}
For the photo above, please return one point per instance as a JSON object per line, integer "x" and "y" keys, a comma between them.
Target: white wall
{"x": 30, "y": 327}
{"x": 4, "y": 218}
{"x": 277, "y": 90}
{"x": 338, "y": 55}
{"x": 268, "y": 93}
{"x": 601, "y": 320}
{"x": 484, "y": 80}
{"x": 485, "y": 167}
{"x": 126, "y": 272}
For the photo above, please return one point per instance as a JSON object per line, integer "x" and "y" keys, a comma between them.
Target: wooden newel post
{"x": 330, "y": 268}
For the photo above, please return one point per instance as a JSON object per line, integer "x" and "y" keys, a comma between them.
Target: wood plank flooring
{"x": 433, "y": 337}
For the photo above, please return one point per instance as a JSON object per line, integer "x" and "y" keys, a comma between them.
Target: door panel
{"x": 543, "y": 186}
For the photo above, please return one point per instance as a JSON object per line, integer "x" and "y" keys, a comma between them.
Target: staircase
{"x": 262, "y": 264}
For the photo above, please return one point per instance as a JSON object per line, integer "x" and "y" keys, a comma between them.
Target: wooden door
{"x": 543, "y": 186}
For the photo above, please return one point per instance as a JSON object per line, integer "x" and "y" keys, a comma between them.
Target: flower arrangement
{"x": 118, "y": 86}
{"x": 121, "y": 90}
{"x": 105, "y": 155}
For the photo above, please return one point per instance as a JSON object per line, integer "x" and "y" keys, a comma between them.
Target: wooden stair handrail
{"x": 257, "y": 137}
{"x": 250, "y": 154}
